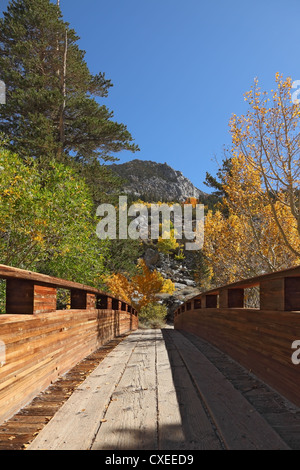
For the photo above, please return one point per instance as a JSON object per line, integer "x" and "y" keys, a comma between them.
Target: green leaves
{"x": 46, "y": 221}
{"x": 153, "y": 315}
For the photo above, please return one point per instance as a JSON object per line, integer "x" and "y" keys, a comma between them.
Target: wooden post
{"x": 272, "y": 294}
{"x": 44, "y": 299}
{"x": 90, "y": 300}
{"x": 109, "y": 303}
{"x": 223, "y": 298}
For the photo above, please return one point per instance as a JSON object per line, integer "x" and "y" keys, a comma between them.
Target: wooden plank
{"x": 197, "y": 428}
{"x": 131, "y": 418}
{"x": 272, "y": 294}
{"x": 44, "y": 299}
{"x": 170, "y": 431}
{"x": 76, "y": 423}
{"x": 90, "y": 300}
{"x": 241, "y": 427}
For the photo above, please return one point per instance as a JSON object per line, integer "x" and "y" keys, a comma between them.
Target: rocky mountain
{"x": 151, "y": 182}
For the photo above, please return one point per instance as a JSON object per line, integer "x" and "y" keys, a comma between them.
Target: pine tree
{"x": 52, "y": 109}
{"x": 217, "y": 183}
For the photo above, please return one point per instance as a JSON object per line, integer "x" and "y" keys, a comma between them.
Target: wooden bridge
{"x": 88, "y": 378}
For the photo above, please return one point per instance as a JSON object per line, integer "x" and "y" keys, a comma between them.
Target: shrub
{"x": 153, "y": 315}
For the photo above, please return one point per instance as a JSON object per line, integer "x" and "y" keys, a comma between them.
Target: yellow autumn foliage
{"x": 167, "y": 242}
{"x": 259, "y": 230}
{"x": 141, "y": 289}
{"x": 248, "y": 242}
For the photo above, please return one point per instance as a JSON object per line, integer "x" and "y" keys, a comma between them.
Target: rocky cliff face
{"x": 153, "y": 181}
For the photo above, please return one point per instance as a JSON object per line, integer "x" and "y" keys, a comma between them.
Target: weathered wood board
{"x": 239, "y": 424}
{"x": 76, "y": 424}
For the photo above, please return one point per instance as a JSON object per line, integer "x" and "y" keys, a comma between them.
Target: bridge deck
{"x": 164, "y": 390}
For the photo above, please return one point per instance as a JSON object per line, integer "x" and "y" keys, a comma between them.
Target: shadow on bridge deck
{"x": 168, "y": 390}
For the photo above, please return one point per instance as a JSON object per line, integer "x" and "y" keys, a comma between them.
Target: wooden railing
{"x": 258, "y": 338}
{"x": 38, "y": 343}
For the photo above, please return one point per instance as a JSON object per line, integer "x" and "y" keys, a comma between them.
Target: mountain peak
{"x": 152, "y": 181}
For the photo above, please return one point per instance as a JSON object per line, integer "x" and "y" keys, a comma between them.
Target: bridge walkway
{"x": 169, "y": 390}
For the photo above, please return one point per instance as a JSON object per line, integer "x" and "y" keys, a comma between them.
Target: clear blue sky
{"x": 180, "y": 68}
